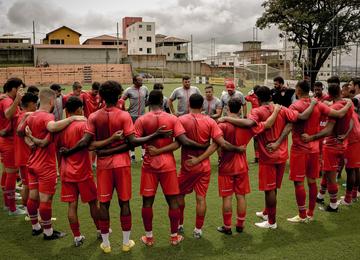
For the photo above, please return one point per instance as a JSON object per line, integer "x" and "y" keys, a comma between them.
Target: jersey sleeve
{"x": 125, "y": 94}
{"x": 218, "y": 104}
{"x": 215, "y": 129}
{"x": 178, "y": 128}
{"x": 291, "y": 115}
{"x": 139, "y": 130}
{"x": 258, "y": 129}
{"x": 173, "y": 95}
{"x": 254, "y": 116}
{"x": 90, "y": 127}
{"x": 324, "y": 109}
{"x": 128, "y": 125}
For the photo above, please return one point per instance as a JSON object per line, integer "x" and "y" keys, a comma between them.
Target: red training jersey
{"x": 91, "y": 103}
{"x": 22, "y": 150}
{"x": 148, "y": 124}
{"x": 253, "y": 99}
{"x": 354, "y": 135}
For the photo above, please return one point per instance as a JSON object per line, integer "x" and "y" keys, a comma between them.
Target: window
{"x": 140, "y": 49}
{"x": 224, "y": 63}
{"x": 140, "y": 25}
{"x": 148, "y": 39}
{"x": 328, "y": 74}
{"x": 140, "y": 37}
{"x": 178, "y": 47}
{"x": 169, "y": 54}
{"x": 68, "y": 35}
{"x": 231, "y": 63}
{"x": 148, "y": 27}
{"x": 56, "y": 41}
{"x": 328, "y": 65}
{"x": 148, "y": 50}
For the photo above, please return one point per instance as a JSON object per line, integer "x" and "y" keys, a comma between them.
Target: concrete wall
{"x": 16, "y": 56}
{"x": 78, "y": 56}
{"x": 147, "y": 61}
{"x": 184, "y": 67}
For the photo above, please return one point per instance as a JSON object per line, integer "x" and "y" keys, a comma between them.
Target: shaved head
{"x": 47, "y": 96}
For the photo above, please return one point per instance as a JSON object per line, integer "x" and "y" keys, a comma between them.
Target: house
{"x": 62, "y": 36}
{"x": 175, "y": 49}
{"x": 127, "y": 21}
{"x": 105, "y": 40}
{"x": 15, "y": 50}
{"x": 141, "y": 38}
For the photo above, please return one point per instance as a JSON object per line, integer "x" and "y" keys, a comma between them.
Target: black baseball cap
{"x": 56, "y": 87}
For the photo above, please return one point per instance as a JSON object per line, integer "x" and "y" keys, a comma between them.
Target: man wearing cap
{"x": 182, "y": 94}
{"x": 230, "y": 93}
{"x": 59, "y": 103}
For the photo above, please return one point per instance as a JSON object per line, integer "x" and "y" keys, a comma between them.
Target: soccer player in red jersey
{"x": 160, "y": 167}
{"x": 9, "y": 107}
{"x": 319, "y": 92}
{"x": 92, "y": 100}
{"x": 253, "y": 99}
{"x": 333, "y": 147}
{"x": 76, "y": 171}
{"x": 233, "y": 168}
{"x": 22, "y": 149}
{"x": 77, "y": 92}
{"x": 304, "y": 157}
{"x": 42, "y": 164}
{"x": 113, "y": 163}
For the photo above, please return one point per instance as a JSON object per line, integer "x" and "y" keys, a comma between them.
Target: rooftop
{"x": 60, "y": 46}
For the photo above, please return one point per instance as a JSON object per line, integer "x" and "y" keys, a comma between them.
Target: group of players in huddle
{"x": 36, "y": 143}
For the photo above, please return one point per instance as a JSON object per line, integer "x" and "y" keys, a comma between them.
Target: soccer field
{"x": 329, "y": 236}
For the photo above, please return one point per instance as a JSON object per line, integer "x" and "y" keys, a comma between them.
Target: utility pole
{"x": 192, "y": 57}
{"x": 356, "y": 58}
{"x": 34, "y": 49}
{"x": 285, "y": 55}
{"x": 117, "y": 44}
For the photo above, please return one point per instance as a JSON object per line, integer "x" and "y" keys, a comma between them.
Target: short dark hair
{"x": 13, "y": 83}
{"x": 135, "y": 78}
{"x": 72, "y": 104}
{"x": 95, "y": 85}
{"x": 155, "y": 98}
{"x": 158, "y": 86}
{"x": 256, "y": 88}
{"x": 32, "y": 89}
{"x": 209, "y": 86}
{"x": 318, "y": 84}
{"x": 56, "y": 87}
{"x": 279, "y": 79}
{"x": 27, "y": 98}
{"x": 355, "y": 102}
{"x": 333, "y": 79}
{"x": 303, "y": 85}
{"x": 334, "y": 89}
{"x": 185, "y": 78}
{"x": 234, "y": 105}
{"x": 346, "y": 85}
{"x": 196, "y": 101}
{"x": 356, "y": 81}
{"x": 263, "y": 93}
{"x": 110, "y": 91}
{"x": 76, "y": 85}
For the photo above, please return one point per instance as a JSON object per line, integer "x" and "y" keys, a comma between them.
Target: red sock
{"x": 240, "y": 219}
{"x": 300, "y": 194}
{"x": 323, "y": 185}
{"x": 10, "y": 186}
{"x": 3, "y": 181}
{"x": 75, "y": 228}
{"x": 174, "y": 216}
{"x": 32, "y": 208}
{"x": 272, "y": 215}
{"x": 348, "y": 196}
{"x": 354, "y": 192}
{"x": 265, "y": 211}
{"x": 312, "y": 198}
{"x": 227, "y": 216}
{"x": 96, "y": 222}
{"x": 104, "y": 226}
{"x": 45, "y": 213}
{"x": 125, "y": 222}
{"x": 181, "y": 219}
{"x": 199, "y": 221}
{"x": 147, "y": 216}
{"x": 333, "y": 190}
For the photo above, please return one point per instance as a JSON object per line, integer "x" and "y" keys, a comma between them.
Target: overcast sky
{"x": 228, "y": 21}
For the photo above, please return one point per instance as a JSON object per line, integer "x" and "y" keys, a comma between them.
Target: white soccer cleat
{"x": 197, "y": 233}
{"x": 18, "y": 196}
{"x": 17, "y": 212}
{"x": 266, "y": 224}
{"x": 260, "y": 214}
{"x": 298, "y": 219}
{"x": 343, "y": 202}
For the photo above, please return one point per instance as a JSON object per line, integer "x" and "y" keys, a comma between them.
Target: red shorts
{"x": 194, "y": 181}
{"x": 332, "y": 159}
{"x": 44, "y": 182}
{"x": 24, "y": 175}
{"x": 150, "y": 181}
{"x": 304, "y": 165}
{"x": 70, "y": 191}
{"x": 7, "y": 154}
{"x": 229, "y": 184}
{"x": 270, "y": 176}
{"x": 352, "y": 156}
{"x": 118, "y": 178}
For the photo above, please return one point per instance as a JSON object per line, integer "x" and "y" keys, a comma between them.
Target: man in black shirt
{"x": 281, "y": 94}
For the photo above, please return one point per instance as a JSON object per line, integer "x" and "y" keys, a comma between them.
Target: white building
{"x": 174, "y": 48}
{"x": 141, "y": 38}
{"x": 225, "y": 59}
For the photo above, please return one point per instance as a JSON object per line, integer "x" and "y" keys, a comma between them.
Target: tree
{"x": 315, "y": 25}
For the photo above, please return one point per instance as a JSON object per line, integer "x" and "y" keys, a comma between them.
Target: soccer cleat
{"x": 17, "y": 212}
{"x": 78, "y": 241}
{"x": 239, "y": 229}
{"x": 343, "y": 202}
{"x": 224, "y": 230}
{"x": 127, "y": 248}
{"x": 310, "y": 218}
{"x": 181, "y": 229}
{"x": 298, "y": 219}
{"x": 175, "y": 240}
{"x": 260, "y": 214}
{"x": 35, "y": 232}
{"x": 18, "y": 196}
{"x": 330, "y": 209}
{"x": 55, "y": 235}
{"x": 266, "y": 224}
{"x": 197, "y": 234}
{"x": 105, "y": 249}
{"x": 148, "y": 241}
{"x": 319, "y": 201}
